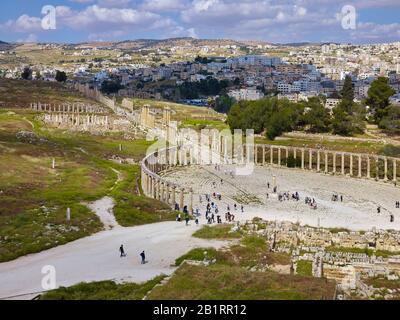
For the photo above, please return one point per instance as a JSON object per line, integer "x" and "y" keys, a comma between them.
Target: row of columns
{"x": 355, "y": 160}
{"x": 67, "y": 108}
{"x": 157, "y": 188}
{"x": 77, "y": 119}
{"x": 147, "y": 119}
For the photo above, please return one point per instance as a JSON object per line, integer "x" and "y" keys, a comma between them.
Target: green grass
{"x": 133, "y": 209}
{"x": 103, "y": 290}
{"x": 304, "y": 268}
{"x": 34, "y": 197}
{"x": 252, "y": 251}
{"x": 222, "y": 232}
{"x": 336, "y": 145}
{"x": 199, "y": 124}
{"x": 197, "y": 254}
{"x": 20, "y": 93}
{"x": 219, "y": 282}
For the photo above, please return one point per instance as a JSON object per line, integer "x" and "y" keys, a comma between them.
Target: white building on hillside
{"x": 246, "y": 94}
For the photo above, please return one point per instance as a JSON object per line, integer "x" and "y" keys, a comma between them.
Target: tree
{"x": 224, "y": 103}
{"x": 378, "y": 98}
{"x": 348, "y": 117}
{"x": 341, "y": 123}
{"x": 111, "y": 86}
{"x": 345, "y": 123}
{"x": 391, "y": 122}
{"x": 348, "y": 91}
{"x": 317, "y": 118}
{"x": 26, "y": 74}
{"x": 61, "y": 76}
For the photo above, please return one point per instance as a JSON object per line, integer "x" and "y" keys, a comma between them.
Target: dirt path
{"x": 103, "y": 208}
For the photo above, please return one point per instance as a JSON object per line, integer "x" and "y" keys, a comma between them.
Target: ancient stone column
{"x": 359, "y": 166}
{"x": 263, "y": 155}
{"x": 185, "y": 158}
{"x": 272, "y": 155}
{"x": 162, "y": 191}
{"x": 368, "y": 168}
{"x": 191, "y": 200}
{"x": 351, "y": 164}
{"x": 157, "y": 187}
{"x": 342, "y": 163}
{"x": 286, "y": 153}
{"x": 310, "y": 160}
{"x": 279, "y": 156}
{"x": 318, "y": 161}
{"x": 394, "y": 170}
{"x": 302, "y": 159}
{"x": 326, "y": 162}
{"x": 386, "y": 168}
{"x": 151, "y": 193}
{"x": 173, "y": 195}
{"x": 377, "y": 168}
{"x": 181, "y": 199}
{"x": 334, "y": 162}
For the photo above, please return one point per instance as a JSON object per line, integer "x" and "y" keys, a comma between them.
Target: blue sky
{"x": 278, "y": 21}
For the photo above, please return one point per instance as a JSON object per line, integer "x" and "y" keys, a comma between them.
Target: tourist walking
{"x": 143, "y": 256}
{"x": 122, "y": 251}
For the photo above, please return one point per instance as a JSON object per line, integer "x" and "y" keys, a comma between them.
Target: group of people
{"x": 397, "y": 204}
{"x": 311, "y": 202}
{"x": 186, "y": 215}
{"x": 336, "y": 197}
{"x": 379, "y": 210}
{"x": 122, "y": 254}
{"x": 286, "y": 196}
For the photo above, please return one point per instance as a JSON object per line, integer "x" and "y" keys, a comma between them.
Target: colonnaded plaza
{"x": 316, "y": 213}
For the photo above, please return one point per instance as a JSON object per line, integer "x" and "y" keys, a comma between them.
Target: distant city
{"x": 180, "y": 70}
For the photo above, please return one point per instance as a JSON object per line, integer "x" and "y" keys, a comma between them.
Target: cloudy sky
{"x": 279, "y": 21}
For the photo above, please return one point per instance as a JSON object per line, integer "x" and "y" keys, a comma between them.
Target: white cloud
{"x": 272, "y": 20}
{"x": 24, "y": 23}
{"x": 164, "y": 5}
{"x": 114, "y": 3}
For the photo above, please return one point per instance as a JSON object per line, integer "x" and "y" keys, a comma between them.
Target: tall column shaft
{"x": 279, "y": 156}
{"x": 326, "y": 162}
{"x": 334, "y": 162}
{"x": 342, "y": 163}
{"x": 351, "y": 164}
{"x": 272, "y": 155}
{"x": 386, "y": 169}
